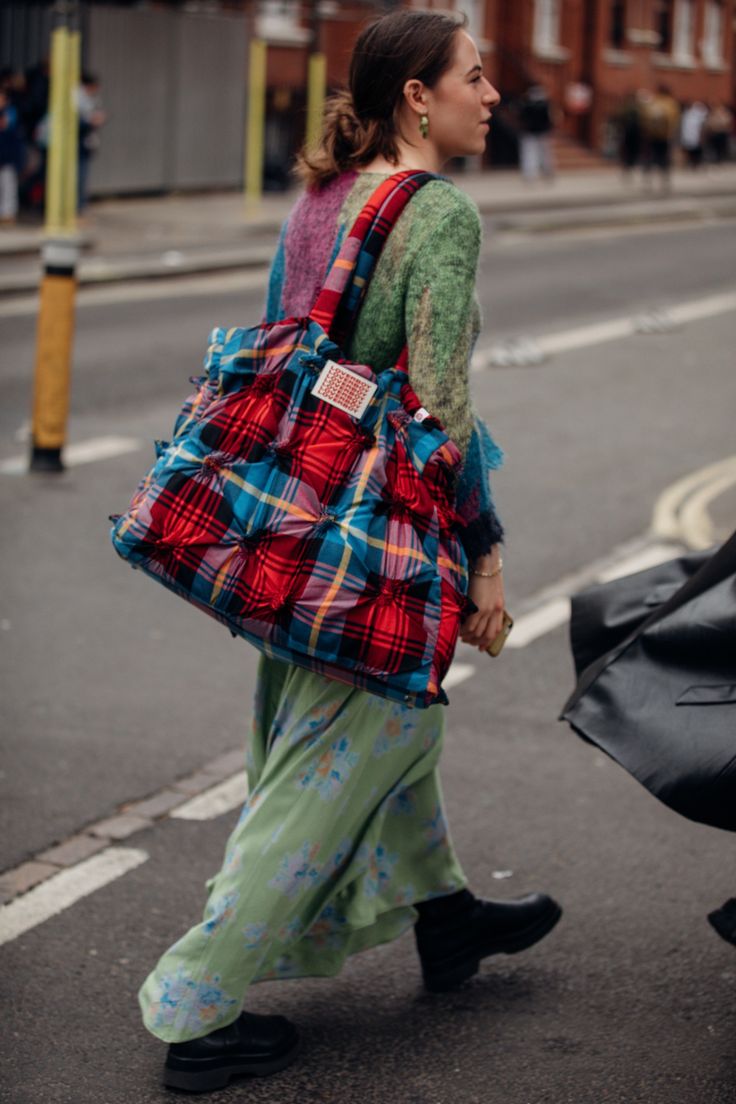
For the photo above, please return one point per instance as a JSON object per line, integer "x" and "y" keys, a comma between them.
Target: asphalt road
{"x": 111, "y": 690}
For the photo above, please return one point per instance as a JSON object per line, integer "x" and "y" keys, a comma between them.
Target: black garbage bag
{"x": 655, "y": 655}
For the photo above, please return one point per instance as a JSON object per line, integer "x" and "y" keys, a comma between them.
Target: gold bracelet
{"x": 488, "y": 574}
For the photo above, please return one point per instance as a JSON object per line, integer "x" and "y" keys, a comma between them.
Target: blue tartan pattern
{"x": 325, "y": 540}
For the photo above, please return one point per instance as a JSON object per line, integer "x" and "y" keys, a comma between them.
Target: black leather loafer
{"x": 253, "y": 1045}
{"x": 451, "y": 950}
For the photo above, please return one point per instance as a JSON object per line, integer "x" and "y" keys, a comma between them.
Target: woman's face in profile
{"x": 459, "y": 106}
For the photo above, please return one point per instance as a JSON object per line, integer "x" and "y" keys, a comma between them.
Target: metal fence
{"x": 25, "y": 30}
{"x": 173, "y": 86}
{"x": 174, "y": 90}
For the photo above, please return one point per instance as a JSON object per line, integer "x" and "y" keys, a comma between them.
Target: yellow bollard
{"x": 55, "y": 329}
{"x": 256, "y": 123}
{"x": 54, "y": 341}
{"x": 74, "y": 48}
{"x": 316, "y": 88}
{"x": 57, "y": 134}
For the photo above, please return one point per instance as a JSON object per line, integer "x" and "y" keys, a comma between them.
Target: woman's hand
{"x": 481, "y": 629}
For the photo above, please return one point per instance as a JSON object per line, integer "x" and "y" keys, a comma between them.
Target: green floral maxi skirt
{"x": 342, "y": 832}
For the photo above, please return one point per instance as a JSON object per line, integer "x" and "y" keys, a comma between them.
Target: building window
{"x": 684, "y": 32}
{"x": 617, "y": 27}
{"x": 663, "y": 24}
{"x": 546, "y": 35}
{"x": 279, "y": 21}
{"x": 712, "y": 46}
{"x": 476, "y": 13}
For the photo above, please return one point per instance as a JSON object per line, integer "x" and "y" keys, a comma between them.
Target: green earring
{"x": 424, "y": 125}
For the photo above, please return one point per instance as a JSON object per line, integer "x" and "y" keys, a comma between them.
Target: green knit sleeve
{"x": 442, "y": 316}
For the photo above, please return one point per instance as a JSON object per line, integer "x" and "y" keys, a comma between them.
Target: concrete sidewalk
{"x": 165, "y": 236}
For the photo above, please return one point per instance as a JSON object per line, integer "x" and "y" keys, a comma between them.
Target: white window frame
{"x": 546, "y": 32}
{"x": 683, "y": 31}
{"x": 279, "y": 22}
{"x": 711, "y": 47}
{"x": 475, "y": 10}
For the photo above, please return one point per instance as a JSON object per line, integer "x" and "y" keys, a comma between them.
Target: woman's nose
{"x": 492, "y": 96}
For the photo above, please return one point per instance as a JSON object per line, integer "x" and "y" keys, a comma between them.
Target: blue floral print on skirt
{"x": 342, "y": 833}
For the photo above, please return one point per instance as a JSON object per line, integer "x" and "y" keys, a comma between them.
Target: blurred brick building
{"x": 174, "y": 72}
{"x": 613, "y": 47}
{"x": 588, "y": 53}
{"x": 609, "y": 46}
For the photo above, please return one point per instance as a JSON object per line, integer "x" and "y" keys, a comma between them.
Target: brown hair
{"x": 360, "y": 122}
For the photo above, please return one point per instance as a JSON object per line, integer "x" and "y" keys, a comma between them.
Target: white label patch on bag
{"x": 347, "y": 390}
{"x": 421, "y": 414}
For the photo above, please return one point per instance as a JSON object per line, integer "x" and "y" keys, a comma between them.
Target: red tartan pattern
{"x": 325, "y": 540}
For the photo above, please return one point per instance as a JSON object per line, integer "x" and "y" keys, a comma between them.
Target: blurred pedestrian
{"x": 629, "y": 125}
{"x": 343, "y": 843}
{"x": 91, "y": 119}
{"x": 719, "y": 131}
{"x": 35, "y": 106}
{"x": 535, "y": 126}
{"x": 11, "y": 160}
{"x": 36, "y": 95}
{"x": 503, "y": 144}
{"x": 692, "y": 130}
{"x": 13, "y": 84}
{"x": 661, "y": 120}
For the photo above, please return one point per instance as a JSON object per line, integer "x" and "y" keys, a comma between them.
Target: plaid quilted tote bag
{"x": 306, "y": 502}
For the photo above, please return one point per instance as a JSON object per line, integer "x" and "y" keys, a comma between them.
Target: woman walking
{"x": 342, "y": 844}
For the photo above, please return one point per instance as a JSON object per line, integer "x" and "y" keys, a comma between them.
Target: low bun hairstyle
{"x": 361, "y": 121}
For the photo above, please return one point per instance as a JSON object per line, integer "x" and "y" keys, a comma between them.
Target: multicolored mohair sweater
{"x": 423, "y": 290}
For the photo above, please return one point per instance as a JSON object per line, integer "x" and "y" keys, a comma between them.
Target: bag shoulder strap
{"x": 337, "y": 305}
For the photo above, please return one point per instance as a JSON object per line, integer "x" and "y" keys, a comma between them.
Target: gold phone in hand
{"x": 494, "y": 648}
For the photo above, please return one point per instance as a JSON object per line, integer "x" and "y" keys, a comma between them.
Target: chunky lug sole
{"x": 205, "y": 1075}
{"x": 464, "y": 965}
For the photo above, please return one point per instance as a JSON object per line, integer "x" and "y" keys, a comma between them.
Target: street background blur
{"x": 171, "y": 83}
{"x": 605, "y": 369}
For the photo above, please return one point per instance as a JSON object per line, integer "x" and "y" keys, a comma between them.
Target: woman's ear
{"x": 415, "y": 95}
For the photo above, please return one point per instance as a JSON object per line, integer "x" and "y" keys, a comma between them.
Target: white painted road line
{"x": 539, "y": 622}
{"x": 554, "y": 611}
{"x": 696, "y": 521}
{"x": 648, "y": 557}
{"x": 64, "y": 889}
{"x": 139, "y": 291}
{"x": 667, "y": 520}
{"x": 614, "y": 329}
{"x": 703, "y": 308}
{"x": 680, "y": 520}
{"x": 84, "y": 452}
{"x": 214, "y": 802}
{"x": 458, "y": 673}
{"x": 584, "y": 336}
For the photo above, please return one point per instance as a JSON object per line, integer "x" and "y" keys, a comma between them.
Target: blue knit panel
{"x": 482, "y": 457}
{"x": 274, "y": 308}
